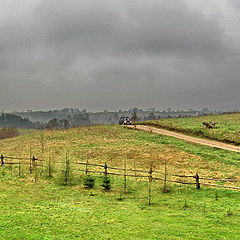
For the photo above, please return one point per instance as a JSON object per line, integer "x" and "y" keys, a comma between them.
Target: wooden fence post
{"x": 2, "y": 162}
{"x": 134, "y": 168}
{"x": 34, "y": 168}
{"x": 197, "y": 181}
{"x": 49, "y": 165}
{"x": 150, "y": 185}
{"x": 105, "y": 169}
{"x": 125, "y": 175}
{"x": 30, "y": 157}
{"x": 30, "y": 165}
{"x": 33, "y": 163}
{"x": 86, "y": 171}
{"x": 165, "y": 178}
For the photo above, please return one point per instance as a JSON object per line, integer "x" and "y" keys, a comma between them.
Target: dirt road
{"x": 196, "y": 140}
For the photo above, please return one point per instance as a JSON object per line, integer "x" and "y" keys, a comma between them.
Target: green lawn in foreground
{"x": 228, "y": 126}
{"x": 44, "y": 210}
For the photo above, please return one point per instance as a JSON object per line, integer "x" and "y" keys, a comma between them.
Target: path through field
{"x": 196, "y": 140}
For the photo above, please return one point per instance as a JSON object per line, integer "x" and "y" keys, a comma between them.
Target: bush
{"x": 8, "y": 133}
{"x": 66, "y": 176}
{"x": 106, "y": 183}
{"x": 88, "y": 182}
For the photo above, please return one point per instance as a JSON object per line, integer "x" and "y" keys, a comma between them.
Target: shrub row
{"x": 8, "y": 133}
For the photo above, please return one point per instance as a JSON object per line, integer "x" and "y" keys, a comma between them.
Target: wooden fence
{"x": 104, "y": 169}
{"x": 31, "y": 162}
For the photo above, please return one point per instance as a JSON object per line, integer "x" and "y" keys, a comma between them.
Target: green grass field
{"x": 46, "y": 210}
{"x": 228, "y": 126}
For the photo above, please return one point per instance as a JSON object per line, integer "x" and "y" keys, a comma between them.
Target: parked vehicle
{"x": 125, "y": 121}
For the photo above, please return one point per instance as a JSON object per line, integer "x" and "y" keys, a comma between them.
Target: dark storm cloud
{"x": 117, "y": 54}
{"x": 130, "y": 27}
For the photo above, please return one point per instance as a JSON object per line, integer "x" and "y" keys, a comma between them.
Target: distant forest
{"x": 71, "y": 117}
{"x": 8, "y": 120}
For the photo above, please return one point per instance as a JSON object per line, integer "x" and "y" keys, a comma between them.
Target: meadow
{"x": 228, "y": 126}
{"x": 39, "y": 207}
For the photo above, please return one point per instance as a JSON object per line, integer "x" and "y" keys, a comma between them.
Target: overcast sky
{"x": 117, "y": 54}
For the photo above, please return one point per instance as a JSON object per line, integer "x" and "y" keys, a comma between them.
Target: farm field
{"x": 228, "y": 126}
{"x": 40, "y": 208}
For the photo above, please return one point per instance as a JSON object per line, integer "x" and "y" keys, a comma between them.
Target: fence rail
{"x": 33, "y": 162}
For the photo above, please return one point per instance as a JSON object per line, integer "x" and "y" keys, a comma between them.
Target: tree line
{"x": 13, "y": 121}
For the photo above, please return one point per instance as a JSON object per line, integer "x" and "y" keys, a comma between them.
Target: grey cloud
{"x": 116, "y": 54}
{"x": 134, "y": 27}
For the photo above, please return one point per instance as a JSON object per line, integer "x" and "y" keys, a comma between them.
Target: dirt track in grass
{"x": 188, "y": 138}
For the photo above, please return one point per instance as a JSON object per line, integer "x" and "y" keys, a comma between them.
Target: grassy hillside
{"x": 114, "y": 144}
{"x": 228, "y": 126}
{"x": 46, "y": 210}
